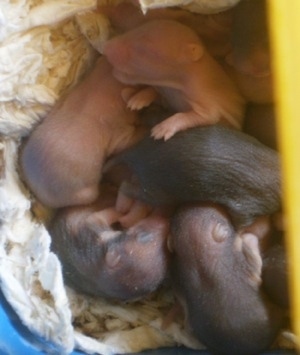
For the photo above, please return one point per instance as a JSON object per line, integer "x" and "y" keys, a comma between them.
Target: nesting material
{"x": 200, "y": 6}
{"x": 45, "y": 48}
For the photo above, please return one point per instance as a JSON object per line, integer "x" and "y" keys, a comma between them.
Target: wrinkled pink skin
{"x": 249, "y": 62}
{"x": 62, "y": 159}
{"x": 216, "y": 274}
{"x": 170, "y": 57}
{"x": 214, "y": 29}
{"x": 112, "y": 262}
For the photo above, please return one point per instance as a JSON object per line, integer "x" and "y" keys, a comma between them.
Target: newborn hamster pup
{"x": 250, "y": 38}
{"x": 250, "y": 61}
{"x": 171, "y": 58}
{"x": 212, "y": 163}
{"x": 100, "y": 260}
{"x": 214, "y": 29}
{"x": 62, "y": 159}
{"x": 216, "y": 275}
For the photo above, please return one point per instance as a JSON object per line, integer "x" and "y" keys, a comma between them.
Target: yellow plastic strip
{"x": 284, "y": 18}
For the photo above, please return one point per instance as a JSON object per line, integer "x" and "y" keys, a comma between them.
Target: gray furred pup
{"x": 216, "y": 275}
{"x": 212, "y": 163}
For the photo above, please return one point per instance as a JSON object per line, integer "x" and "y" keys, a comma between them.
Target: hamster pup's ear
{"x": 191, "y": 52}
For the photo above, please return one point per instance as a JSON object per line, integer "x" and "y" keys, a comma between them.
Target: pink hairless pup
{"x": 62, "y": 159}
{"x": 171, "y": 59}
{"x": 214, "y": 29}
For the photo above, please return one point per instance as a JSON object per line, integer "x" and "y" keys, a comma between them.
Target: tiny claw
{"x": 156, "y": 134}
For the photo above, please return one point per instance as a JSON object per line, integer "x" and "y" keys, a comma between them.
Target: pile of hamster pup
{"x": 97, "y": 250}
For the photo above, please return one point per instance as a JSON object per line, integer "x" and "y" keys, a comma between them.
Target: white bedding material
{"x": 31, "y": 78}
{"x": 200, "y": 6}
{"x": 45, "y": 47}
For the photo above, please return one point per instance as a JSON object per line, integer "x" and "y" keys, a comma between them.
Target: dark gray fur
{"x": 212, "y": 163}
{"x": 216, "y": 284}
